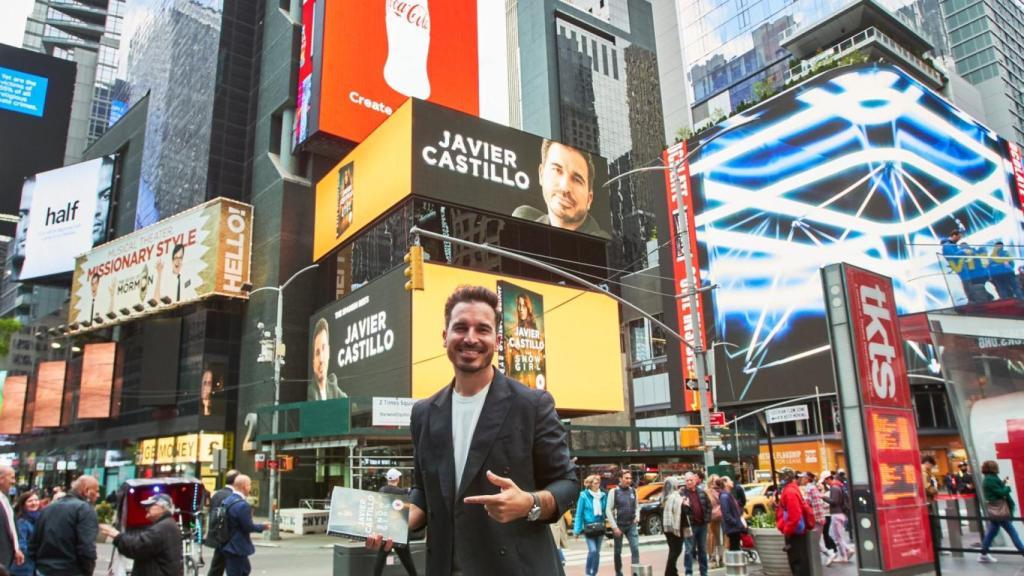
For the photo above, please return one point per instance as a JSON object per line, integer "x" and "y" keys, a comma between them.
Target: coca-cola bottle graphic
{"x": 408, "y": 27}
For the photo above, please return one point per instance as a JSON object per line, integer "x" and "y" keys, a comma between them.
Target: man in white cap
{"x": 156, "y": 548}
{"x": 394, "y": 476}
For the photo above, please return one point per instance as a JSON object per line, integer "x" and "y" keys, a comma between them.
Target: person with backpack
{"x": 795, "y": 519}
{"x": 238, "y": 520}
{"x": 623, "y": 514}
{"x": 732, "y": 515}
{"x": 216, "y": 509}
{"x": 839, "y": 509}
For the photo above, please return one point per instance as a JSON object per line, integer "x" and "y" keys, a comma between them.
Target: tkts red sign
{"x": 883, "y": 376}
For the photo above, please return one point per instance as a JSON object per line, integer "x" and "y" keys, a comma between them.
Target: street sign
{"x": 787, "y": 414}
{"x": 713, "y": 440}
{"x": 717, "y": 419}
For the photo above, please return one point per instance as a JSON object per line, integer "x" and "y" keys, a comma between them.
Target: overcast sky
{"x": 12, "y": 25}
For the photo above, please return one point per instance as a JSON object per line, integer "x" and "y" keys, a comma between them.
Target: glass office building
{"x": 729, "y": 46}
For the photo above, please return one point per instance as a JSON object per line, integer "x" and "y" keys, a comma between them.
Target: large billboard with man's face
{"x": 198, "y": 253}
{"x": 361, "y": 60}
{"x": 69, "y": 206}
{"x": 437, "y": 153}
{"x": 861, "y": 164}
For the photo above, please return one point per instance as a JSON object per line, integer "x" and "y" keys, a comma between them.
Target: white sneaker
{"x": 987, "y": 559}
{"x": 831, "y": 559}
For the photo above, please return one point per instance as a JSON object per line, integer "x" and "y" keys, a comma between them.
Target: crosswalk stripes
{"x": 578, "y": 556}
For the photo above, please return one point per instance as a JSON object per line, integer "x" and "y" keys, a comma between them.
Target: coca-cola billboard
{"x": 367, "y": 58}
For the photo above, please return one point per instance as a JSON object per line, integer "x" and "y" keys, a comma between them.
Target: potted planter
{"x": 770, "y": 545}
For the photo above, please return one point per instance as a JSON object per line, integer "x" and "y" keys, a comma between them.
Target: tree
{"x": 8, "y": 326}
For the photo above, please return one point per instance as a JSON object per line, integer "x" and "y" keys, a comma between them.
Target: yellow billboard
{"x": 367, "y": 182}
{"x": 571, "y": 349}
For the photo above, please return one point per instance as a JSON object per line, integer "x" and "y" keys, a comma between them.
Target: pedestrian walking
{"x": 492, "y": 465}
{"x": 26, "y": 513}
{"x": 674, "y": 523}
{"x": 590, "y": 519}
{"x": 623, "y": 515}
{"x": 10, "y": 551}
{"x": 715, "y": 524}
{"x": 216, "y": 501}
{"x": 999, "y": 506}
{"x": 826, "y": 531}
{"x": 697, "y": 507}
{"x": 64, "y": 542}
{"x": 795, "y": 519}
{"x": 818, "y": 505}
{"x": 839, "y": 510}
{"x": 732, "y": 517}
{"x": 393, "y": 477}
{"x": 156, "y": 549}
{"x": 238, "y": 513}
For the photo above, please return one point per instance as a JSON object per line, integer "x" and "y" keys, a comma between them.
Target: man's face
{"x": 564, "y": 181}
{"x": 469, "y": 338}
{"x": 154, "y": 512}
{"x": 691, "y": 482}
{"x": 94, "y": 285}
{"x": 99, "y": 217}
{"x": 6, "y": 481}
{"x": 176, "y": 260}
{"x": 207, "y": 388}
{"x": 245, "y": 487}
{"x": 92, "y": 492}
{"x": 321, "y": 356}
{"x": 626, "y": 481}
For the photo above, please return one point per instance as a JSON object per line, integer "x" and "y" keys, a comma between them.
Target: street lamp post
{"x": 278, "y": 354}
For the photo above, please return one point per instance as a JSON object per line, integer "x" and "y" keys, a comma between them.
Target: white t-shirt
{"x": 465, "y": 413}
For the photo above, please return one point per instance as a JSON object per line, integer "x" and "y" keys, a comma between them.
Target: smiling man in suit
{"x": 492, "y": 464}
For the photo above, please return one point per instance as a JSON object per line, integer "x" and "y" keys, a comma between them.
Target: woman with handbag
{"x": 998, "y": 508}
{"x": 714, "y": 541}
{"x": 674, "y": 523}
{"x": 589, "y": 520}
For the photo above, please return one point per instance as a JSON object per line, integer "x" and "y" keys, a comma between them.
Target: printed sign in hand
{"x": 360, "y": 514}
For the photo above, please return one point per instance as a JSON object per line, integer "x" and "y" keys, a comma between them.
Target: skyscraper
{"x": 87, "y": 32}
{"x": 987, "y": 40}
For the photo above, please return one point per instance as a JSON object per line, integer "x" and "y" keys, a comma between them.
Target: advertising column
{"x": 676, "y": 157}
{"x": 890, "y": 512}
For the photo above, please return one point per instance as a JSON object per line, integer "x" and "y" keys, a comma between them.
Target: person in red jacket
{"x": 795, "y": 519}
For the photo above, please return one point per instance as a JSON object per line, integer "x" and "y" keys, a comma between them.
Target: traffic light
{"x": 689, "y": 437}
{"x": 414, "y": 258}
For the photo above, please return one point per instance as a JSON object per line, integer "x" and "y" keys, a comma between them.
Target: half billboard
{"x": 69, "y": 206}
{"x": 440, "y": 154}
{"x": 199, "y": 253}
{"x": 359, "y": 61}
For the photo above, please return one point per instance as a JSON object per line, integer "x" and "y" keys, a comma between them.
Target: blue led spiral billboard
{"x": 862, "y": 165}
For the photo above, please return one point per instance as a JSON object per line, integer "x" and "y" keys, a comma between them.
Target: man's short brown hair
{"x": 466, "y": 293}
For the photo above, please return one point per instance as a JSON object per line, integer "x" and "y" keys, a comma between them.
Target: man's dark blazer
{"x": 239, "y": 517}
{"x": 7, "y": 540}
{"x": 518, "y": 436}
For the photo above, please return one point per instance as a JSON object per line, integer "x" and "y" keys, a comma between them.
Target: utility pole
{"x": 274, "y": 496}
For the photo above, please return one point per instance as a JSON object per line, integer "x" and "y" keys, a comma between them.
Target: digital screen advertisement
{"x": 49, "y": 394}
{"x": 574, "y": 324}
{"x": 437, "y": 153}
{"x": 35, "y": 109}
{"x": 862, "y": 165}
{"x": 22, "y": 92}
{"x": 97, "y": 380}
{"x": 12, "y": 413}
{"x": 198, "y": 253}
{"x": 360, "y": 344}
{"x": 521, "y": 335}
{"x": 366, "y": 58}
{"x": 68, "y": 206}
